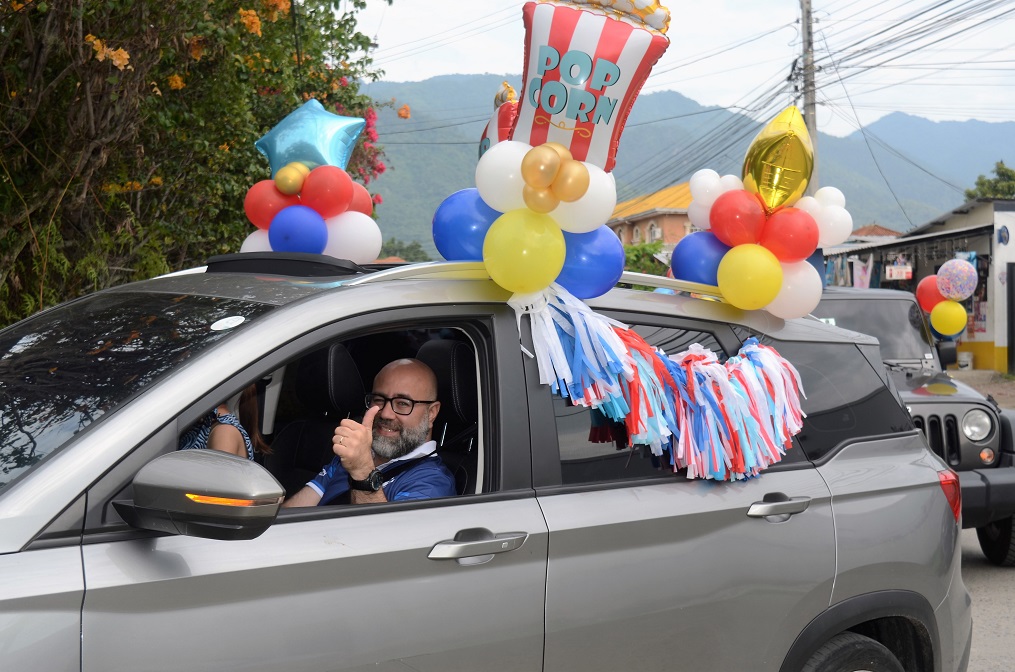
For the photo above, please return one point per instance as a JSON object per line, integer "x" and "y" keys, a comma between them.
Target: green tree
{"x": 1000, "y": 186}
{"x": 641, "y": 258}
{"x": 393, "y": 247}
{"x": 127, "y": 129}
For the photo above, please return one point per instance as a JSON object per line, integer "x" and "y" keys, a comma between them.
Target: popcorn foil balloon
{"x": 505, "y": 105}
{"x": 585, "y": 63}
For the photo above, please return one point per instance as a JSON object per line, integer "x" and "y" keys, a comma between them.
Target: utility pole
{"x": 810, "y": 104}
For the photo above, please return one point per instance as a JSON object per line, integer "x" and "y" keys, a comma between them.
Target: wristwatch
{"x": 372, "y": 483}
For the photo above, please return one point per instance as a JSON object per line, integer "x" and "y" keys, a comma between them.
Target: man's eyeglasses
{"x": 400, "y": 405}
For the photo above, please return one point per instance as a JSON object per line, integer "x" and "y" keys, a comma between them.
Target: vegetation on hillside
{"x": 1002, "y": 185}
{"x": 127, "y": 130}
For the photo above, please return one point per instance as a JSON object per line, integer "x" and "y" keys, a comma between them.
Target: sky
{"x": 942, "y": 60}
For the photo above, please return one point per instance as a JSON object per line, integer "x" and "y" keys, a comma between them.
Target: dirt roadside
{"x": 1001, "y": 387}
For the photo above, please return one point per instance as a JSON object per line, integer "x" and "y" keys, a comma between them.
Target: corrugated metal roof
{"x": 677, "y": 197}
{"x": 846, "y": 248}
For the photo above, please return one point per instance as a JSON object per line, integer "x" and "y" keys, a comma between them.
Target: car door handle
{"x": 476, "y": 542}
{"x": 784, "y": 507}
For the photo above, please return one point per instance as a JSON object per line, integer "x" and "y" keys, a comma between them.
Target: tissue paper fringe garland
{"x": 720, "y": 421}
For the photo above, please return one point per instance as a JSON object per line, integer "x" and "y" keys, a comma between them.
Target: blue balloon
{"x": 297, "y": 228}
{"x": 817, "y": 260}
{"x": 312, "y": 135}
{"x": 696, "y": 258}
{"x": 941, "y": 337}
{"x": 593, "y": 262}
{"x": 664, "y": 290}
{"x": 460, "y": 225}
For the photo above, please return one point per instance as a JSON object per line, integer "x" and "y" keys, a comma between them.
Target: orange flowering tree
{"x": 127, "y": 129}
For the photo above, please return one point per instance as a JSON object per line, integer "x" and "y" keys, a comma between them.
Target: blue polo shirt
{"x": 429, "y": 478}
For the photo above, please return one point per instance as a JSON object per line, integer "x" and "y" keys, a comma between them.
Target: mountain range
{"x": 900, "y": 172}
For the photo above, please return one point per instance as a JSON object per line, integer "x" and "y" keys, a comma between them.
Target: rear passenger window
{"x": 846, "y": 397}
{"x": 593, "y": 449}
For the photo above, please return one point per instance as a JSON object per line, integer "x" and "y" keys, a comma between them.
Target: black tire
{"x": 850, "y": 652}
{"x": 997, "y": 541}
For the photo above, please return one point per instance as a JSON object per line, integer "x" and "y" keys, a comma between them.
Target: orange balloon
{"x": 564, "y": 152}
{"x": 540, "y": 200}
{"x": 540, "y": 166}
{"x": 572, "y": 181}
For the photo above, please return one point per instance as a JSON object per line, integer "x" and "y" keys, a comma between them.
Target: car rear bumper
{"x": 987, "y": 495}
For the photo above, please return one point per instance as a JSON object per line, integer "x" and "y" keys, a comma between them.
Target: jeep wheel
{"x": 997, "y": 541}
{"x": 850, "y": 652}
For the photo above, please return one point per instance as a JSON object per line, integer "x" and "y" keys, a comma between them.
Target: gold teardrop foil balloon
{"x": 780, "y": 159}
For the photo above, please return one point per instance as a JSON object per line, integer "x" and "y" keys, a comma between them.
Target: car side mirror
{"x": 203, "y": 493}
{"x": 946, "y": 353}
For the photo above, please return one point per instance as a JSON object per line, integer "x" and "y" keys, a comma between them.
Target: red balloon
{"x": 263, "y": 201}
{"x": 361, "y": 201}
{"x": 328, "y": 190}
{"x": 927, "y": 293}
{"x": 737, "y": 217}
{"x": 790, "y": 234}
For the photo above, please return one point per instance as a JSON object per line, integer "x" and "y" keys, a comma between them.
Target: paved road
{"x": 993, "y": 591}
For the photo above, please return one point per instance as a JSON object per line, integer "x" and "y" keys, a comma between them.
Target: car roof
{"x": 287, "y": 279}
{"x": 863, "y": 293}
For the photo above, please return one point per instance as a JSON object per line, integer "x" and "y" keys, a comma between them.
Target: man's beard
{"x": 408, "y": 439}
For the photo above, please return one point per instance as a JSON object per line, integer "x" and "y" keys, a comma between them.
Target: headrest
{"x": 328, "y": 381}
{"x": 455, "y": 367}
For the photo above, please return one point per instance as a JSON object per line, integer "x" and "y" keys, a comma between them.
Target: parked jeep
{"x": 969, "y": 431}
{"x": 119, "y": 552}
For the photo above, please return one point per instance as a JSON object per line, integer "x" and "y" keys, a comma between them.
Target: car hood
{"x": 933, "y": 386}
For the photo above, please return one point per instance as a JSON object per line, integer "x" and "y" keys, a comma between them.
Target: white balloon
{"x": 256, "y": 242}
{"x": 835, "y": 225}
{"x": 810, "y": 205}
{"x": 800, "y": 292}
{"x": 353, "y": 236}
{"x": 499, "y": 175}
{"x": 705, "y": 186}
{"x": 593, "y": 209}
{"x": 730, "y": 183}
{"x": 830, "y": 196}
{"x": 697, "y": 212}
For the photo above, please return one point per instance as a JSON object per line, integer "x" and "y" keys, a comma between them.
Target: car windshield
{"x": 898, "y": 324}
{"x": 64, "y": 369}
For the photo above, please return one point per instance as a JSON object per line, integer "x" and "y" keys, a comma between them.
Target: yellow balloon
{"x": 300, "y": 166}
{"x": 289, "y": 180}
{"x": 540, "y": 200}
{"x": 524, "y": 251}
{"x": 564, "y": 152}
{"x": 780, "y": 159}
{"x": 572, "y": 181}
{"x": 540, "y": 166}
{"x": 750, "y": 276}
{"x": 948, "y": 318}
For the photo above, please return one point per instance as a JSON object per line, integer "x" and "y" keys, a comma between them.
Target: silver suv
{"x": 119, "y": 553}
{"x": 970, "y": 432}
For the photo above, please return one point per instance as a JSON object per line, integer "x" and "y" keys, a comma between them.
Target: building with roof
{"x": 661, "y": 216}
{"x": 978, "y": 230}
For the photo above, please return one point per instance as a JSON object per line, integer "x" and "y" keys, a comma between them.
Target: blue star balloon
{"x": 312, "y": 135}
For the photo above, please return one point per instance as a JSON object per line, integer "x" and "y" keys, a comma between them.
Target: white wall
{"x": 1003, "y": 255}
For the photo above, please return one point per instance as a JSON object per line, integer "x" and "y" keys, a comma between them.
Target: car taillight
{"x": 950, "y": 484}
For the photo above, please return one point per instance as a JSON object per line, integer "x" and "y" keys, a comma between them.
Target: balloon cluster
{"x": 311, "y": 204}
{"x": 536, "y": 216}
{"x": 941, "y": 293}
{"x": 759, "y": 231}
